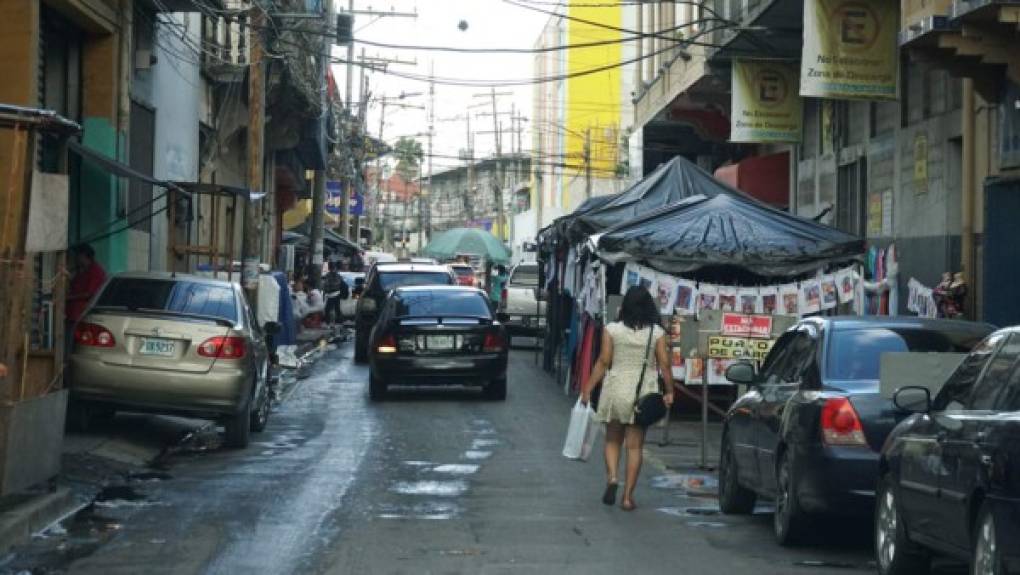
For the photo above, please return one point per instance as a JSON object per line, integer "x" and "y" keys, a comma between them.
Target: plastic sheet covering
{"x": 725, "y": 228}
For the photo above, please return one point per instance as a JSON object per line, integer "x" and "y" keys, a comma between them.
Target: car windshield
{"x": 440, "y": 303}
{"x": 169, "y": 295}
{"x": 525, "y": 276}
{"x": 390, "y": 280}
{"x": 854, "y": 354}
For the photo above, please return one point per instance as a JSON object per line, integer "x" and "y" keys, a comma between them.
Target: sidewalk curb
{"x": 17, "y": 525}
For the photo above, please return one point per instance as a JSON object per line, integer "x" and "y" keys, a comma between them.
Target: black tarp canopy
{"x": 681, "y": 219}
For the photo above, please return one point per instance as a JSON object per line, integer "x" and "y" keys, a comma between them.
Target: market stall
{"x": 700, "y": 247}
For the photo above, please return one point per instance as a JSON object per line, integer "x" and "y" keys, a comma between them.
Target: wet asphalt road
{"x": 422, "y": 483}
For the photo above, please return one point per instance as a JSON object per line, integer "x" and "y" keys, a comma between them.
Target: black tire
{"x": 987, "y": 557}
{"x": 496, "y": 390}
{"x": 734, "y": 498}
{"x": 238, "y": 429}
{"x": 789, "y": 522}
{"x": 376, "y": 388}
{"x": 360, "y": 347}
{"x": 894, "y": 552}
{"x": 260, "y": 415}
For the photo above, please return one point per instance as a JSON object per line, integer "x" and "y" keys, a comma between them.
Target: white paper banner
{"x": 830, "y": 299}
{"x": 665, "y": 293}
{"x": 810, "y": 296}
{"x": 686, "y": 299}
{"x": 789, "y": 299}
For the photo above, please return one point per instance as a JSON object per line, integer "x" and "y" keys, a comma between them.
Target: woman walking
{"x": 627, "y": 345}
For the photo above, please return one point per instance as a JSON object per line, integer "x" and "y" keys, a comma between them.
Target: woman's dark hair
{"x": 85, "y": 250}
{"x": 638, "y": 309}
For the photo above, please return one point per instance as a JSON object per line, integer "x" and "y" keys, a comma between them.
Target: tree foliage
{"x": 409, "y": 154}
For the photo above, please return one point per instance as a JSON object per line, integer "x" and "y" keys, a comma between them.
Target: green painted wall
{"x": 94, "y": 209}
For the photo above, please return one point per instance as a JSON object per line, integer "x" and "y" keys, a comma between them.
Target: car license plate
{"x": 516, "y": 318}
{"x": 161, "y": 347}
{"x": 440, "y": 342}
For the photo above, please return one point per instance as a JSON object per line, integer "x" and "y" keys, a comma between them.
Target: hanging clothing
{"x": 616, "y": 402}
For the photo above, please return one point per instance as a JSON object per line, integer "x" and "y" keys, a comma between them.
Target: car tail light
{"x": 493, "y": 342}
{"x": 841, "y": 424}
{"x": 92, "y": 335}
{"x": 503, "y": 297}
{"x": 223, "y": 347}
{"x": 388, "y": 344}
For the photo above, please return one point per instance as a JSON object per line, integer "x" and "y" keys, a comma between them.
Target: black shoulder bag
{"x": 650, "y": 407}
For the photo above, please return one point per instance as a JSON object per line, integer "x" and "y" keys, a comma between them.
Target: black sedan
{"x": 438, "y": 336}
{"x": 808, "y": 432}
{"x": 951, "y": 472}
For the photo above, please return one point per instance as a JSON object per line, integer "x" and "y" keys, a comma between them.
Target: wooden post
{"x": 251, "y": 244}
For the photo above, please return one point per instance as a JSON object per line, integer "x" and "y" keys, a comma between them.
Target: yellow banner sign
{"x": 766, "y": 107}
{"x": 724, "y": 347}
{"x": 850, "y": 49}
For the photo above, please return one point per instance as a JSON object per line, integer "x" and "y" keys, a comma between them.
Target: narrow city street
{"x": 439, "y": 482}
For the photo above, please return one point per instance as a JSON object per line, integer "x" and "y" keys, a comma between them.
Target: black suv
{"x": 382, "y": 278}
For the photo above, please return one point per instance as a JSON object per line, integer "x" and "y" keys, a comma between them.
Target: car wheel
{"x": 260, "y": 417}
{"x": 376, "y": 388}
{"x": 360, "y": 347}
{"x": 895, "y": 553}
{"x": 734, "y": 499}
{"x": 987, "y": 558}
{"x": 496, "y": 390}
{"x": 238, "y": 429}
{"x": 789, "y": 521}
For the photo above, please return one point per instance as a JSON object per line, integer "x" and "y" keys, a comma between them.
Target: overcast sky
{"x": 490, "y": 23}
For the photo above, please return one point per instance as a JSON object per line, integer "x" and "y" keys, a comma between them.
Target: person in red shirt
{"x": 85, "y": 284}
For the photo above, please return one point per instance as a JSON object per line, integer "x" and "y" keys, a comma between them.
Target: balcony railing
{"x": 225, "y": 40}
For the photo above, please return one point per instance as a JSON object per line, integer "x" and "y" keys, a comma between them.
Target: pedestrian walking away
{"x": 631, "y": 349}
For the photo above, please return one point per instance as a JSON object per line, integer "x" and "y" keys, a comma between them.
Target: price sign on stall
{"x": 740, "y": 325}
{"x": 726, "y": 347}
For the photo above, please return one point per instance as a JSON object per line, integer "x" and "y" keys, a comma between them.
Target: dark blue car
{"x": 809, "y": 430}
{"x": 950, "y": 473}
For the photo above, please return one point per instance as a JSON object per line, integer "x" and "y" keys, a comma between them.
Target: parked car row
{"x": 942, "y": 475}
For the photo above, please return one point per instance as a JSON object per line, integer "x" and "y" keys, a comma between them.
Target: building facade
{"x": 911, "y": 172}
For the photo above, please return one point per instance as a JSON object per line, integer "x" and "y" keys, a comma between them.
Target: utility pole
{"x": 587, "y": 163}
{"x": 498, "y": 189}
{"x": 432, "y": 129}
{"x": 319, "y": 183}
{"x": 378, "y": 178}
{"x": 252, "y": 239}
{"x": 345, "y": 202}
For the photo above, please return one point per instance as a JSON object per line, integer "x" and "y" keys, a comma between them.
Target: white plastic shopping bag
{"x": 582, "y": 433}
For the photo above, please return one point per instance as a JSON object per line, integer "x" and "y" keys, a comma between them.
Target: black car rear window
{"x": 463, "y": 271}
{"x": 168, "y": 295}
{"x": 855, "y": 354}
{"x": 442, "y": 303}
{"x": 390, "y": 280}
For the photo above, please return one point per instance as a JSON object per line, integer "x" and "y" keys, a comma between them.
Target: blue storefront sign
{"x": 334, "y": 200}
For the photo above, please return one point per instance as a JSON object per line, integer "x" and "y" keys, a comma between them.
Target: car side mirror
{"x": 271, "y": 328}
{"x": 503, "y": 317}
{"x": 913, "y": 399}
{"x": 741, "y": 372}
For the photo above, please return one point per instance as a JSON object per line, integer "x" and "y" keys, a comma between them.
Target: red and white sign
{"x": 739, "y": 325}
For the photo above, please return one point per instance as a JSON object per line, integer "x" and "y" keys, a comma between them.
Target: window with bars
{"x": 851, "y": 196}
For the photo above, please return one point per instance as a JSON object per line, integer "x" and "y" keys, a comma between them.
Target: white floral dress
{"x": 616, "y": 402}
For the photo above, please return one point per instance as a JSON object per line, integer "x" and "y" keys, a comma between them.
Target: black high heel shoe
{"x": 609, "y": 497}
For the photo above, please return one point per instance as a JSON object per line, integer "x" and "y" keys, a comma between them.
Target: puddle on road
{"x": 434, "y": 488}
{"x": 814, "y": 564}
{"x": 688, "y": 512}
{"x": 431, "y": 510}
{"x": 476, "y": 455}
{"x": 699, "y": 485}
{"x": 117, "y": 496}
{"x": 456, "y": 468}
{"x": 413, "y": 463}
{"x": 482, "y": 443}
